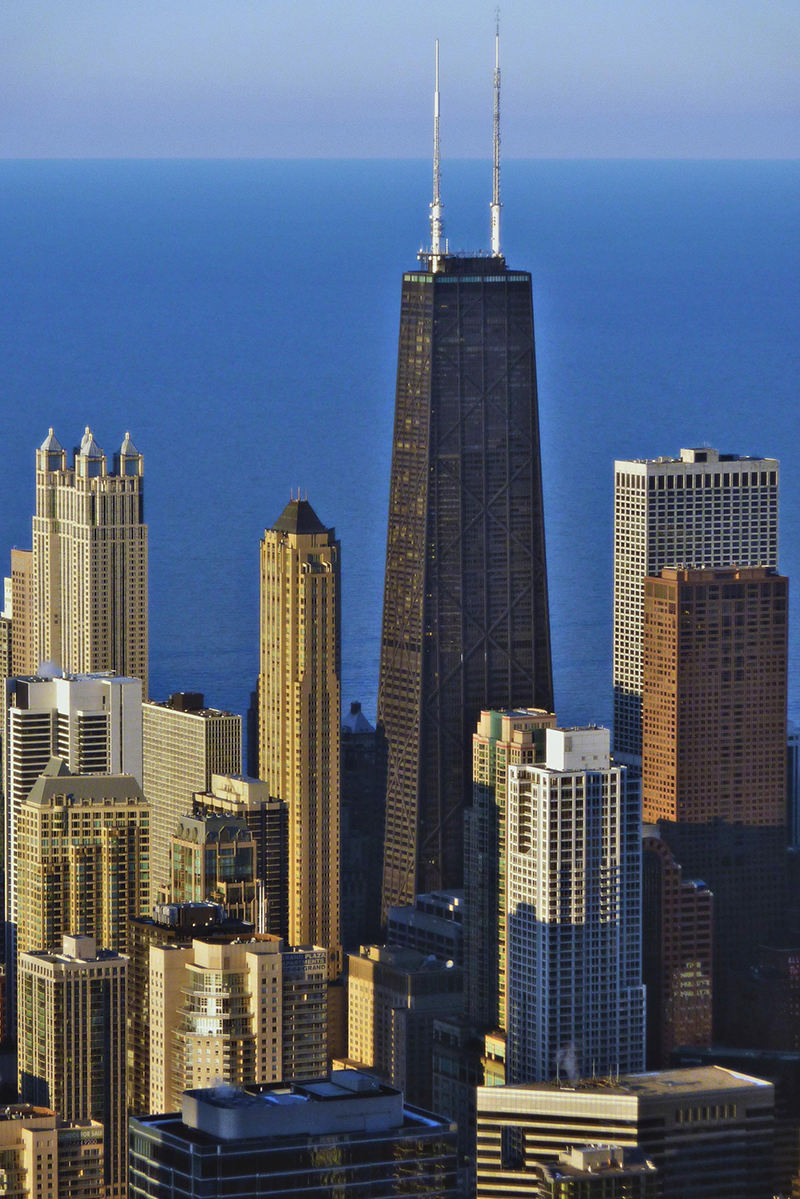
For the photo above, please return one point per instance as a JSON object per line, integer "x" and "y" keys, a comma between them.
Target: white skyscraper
{"x": 702, "y": 509}
{"x": 575, "y": 994}
{"x": 93, "y": 722}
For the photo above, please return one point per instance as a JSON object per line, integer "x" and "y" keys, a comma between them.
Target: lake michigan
{"x": 240, "y": 319}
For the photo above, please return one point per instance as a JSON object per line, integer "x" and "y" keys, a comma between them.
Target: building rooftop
{"x": 299, "y": 517}
{"x": 346, "y": 1101}
{"x": 51, "y": 444}
{"x": 190, "y": 703}
{"x": 701, "y": 455}
{"x": 680, "y": 1081}
{"x": 82, "y": 788}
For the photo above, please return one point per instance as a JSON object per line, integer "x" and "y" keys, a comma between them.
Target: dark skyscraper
{"x": 465, "y": 617}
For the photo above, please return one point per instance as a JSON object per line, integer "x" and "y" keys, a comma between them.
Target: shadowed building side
{"x": 465, "y": 621}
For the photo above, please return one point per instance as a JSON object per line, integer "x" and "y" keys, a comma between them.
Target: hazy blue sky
{"x": 311, "y": 78}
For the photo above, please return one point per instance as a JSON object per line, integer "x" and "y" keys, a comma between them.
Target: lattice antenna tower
{"x": 436, "y": 206}
{"x": 496, "y": 205}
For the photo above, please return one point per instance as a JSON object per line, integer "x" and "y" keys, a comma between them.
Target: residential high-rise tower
{"x": 703, "y": 509}
{"x": 93, "y": 723}
{"x": 90, "y": 560}
{"x": 299, "y": 694}
{"x": 573, "y": 912}
{"x": 72, "y": 1042}
{"x": 465, "y": 614}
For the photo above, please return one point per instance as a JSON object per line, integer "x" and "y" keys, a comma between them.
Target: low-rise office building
{"x": 327, "y": 1136}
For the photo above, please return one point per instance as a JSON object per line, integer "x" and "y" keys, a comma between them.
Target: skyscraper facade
{"x": 703, "y": 509}
{"x": 184, "y": 744}
{"x": 213, "y": 860}
{"x": 90, "y": 560}
{"x": 93, "y": 723}
{"x": 82, "y": 859}
{"x": 299, "y": 690}
{"x": 677, "y": 930}
{"x": 234, "y": 1010}
{"x": 573, "y": 929}
{"x": 502, "y": 739}
{"x": 715, "y": 690}
{"x": 715, "y": 658}
{"x": 465, "y": 617}
{"x": 72, "y": 1042}
{"x": 265, "y": 816}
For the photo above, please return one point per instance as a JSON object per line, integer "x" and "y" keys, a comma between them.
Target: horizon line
{"x": 395, "y": 158}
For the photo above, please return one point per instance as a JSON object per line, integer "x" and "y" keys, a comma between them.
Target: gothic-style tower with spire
{"x": 465, "y": 616}
{"x": 90, "y": 560}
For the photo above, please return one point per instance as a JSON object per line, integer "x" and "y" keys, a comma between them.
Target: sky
{"x": 329, "y": 79}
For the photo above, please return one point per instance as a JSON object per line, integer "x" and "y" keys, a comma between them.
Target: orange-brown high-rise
{"x": 714, "y": 708}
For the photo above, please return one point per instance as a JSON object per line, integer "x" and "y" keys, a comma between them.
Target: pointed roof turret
{"x": 89, "y": 447}
{"x": 299, "y": 517}
{"x": 128, "y": 448}
{"x": 51, "y": 444}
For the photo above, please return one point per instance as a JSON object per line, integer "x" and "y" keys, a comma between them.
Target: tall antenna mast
{"x": 496, "y": 205}
{"x": 436, "y": 206}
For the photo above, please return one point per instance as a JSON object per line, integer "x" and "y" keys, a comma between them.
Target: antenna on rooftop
{"x": 496, "y": 205}
{"x": 436, "y": 206}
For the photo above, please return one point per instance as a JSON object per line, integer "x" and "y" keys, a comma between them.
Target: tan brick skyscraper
{"x": 90, "y": 560}
{"x": 299, "y": 693}
{"x": 714, "y": 753}
{"x": 714, "y": 717}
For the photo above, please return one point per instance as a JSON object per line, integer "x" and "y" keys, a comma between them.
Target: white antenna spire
{"x": 436, "y": 206}
{"x": 496, "y": 205}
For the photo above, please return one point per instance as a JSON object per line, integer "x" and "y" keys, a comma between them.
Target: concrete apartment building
{"x": 72, "y": 1042}
{"x": 89, "y": 608}
{"x": 709, "y": 1131}
{"x": 299, "y": 691}
{"x": 237, "y": 1012}
{"x": 92, "y": 722}
{"x": 170, "y": 924}
{"x": 43, "y": 1156}
{"x": 502, "y": 739}
{"x": 702, "y": 509}
{"x": 184, "y": 745}
{"x": 394, "y": 996}
{"x": 324, "y": 1136}
{"x": 573, "y": 861}
{"x": 82, "y": 859}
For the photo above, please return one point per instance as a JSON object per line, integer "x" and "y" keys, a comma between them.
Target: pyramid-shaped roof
{"x": 128, "y": 450}
{"x": 51, "y": 444}
{"x": 89, "y": 447}
{"x": 299, "y": 517}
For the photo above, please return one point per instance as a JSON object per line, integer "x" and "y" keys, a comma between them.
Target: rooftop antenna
{"x": 436, "y": 206}
{"x": 496, "y": 205}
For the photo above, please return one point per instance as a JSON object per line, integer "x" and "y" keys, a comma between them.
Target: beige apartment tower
{"x": 45, "y": 1157}
{"x": 72, "y": 1042}
{"x": 89, "y": 609}
{"x": 82, "y": 859}
{"x": 184, "y": 745}
{"x": 23, "y": 657}
{"x": 299, "y": 694}
{"x": 245, "y": 1011}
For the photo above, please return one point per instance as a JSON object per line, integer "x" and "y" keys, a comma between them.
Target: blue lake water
{"x": 240, "y": 318}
